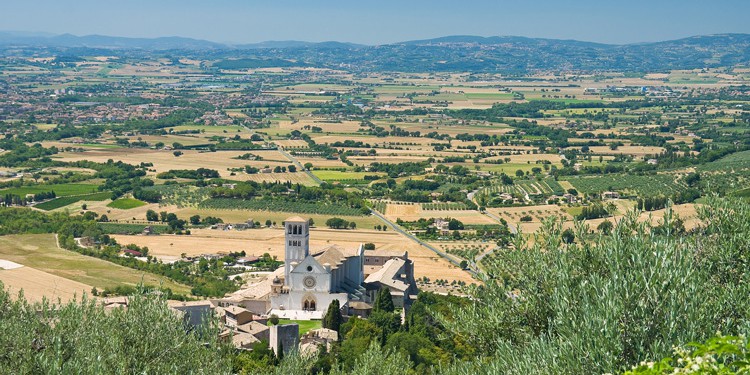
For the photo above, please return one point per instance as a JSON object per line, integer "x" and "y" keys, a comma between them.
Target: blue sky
{"x": 379, "y": 21}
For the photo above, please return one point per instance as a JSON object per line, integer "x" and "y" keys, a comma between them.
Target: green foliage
{"x": 337, "y": 223}
{"x": 725, "y": 355}
{"x": 376, "y": 361}
{"x": 80, "y": 337}
{"x": 642, "y": 185}
{"x": 593, "y": 211}
{"x": 279, "y": 206}
{"x": 383, "y": 301}
{"x": 605, "y": 305}
{"x": 332, "y": 319}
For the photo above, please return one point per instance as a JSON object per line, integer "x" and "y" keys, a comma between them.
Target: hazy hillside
{"x": 506, "y": 54}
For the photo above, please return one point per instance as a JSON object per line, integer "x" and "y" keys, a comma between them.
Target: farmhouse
{"x": 610, "y": 195}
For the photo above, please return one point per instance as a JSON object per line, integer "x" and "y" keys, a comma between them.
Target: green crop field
{"x": 60, "y": 190}
{"x": 64, "y": 201}
{"x": 40, "y": 251}
{"x": 126, "y": 203}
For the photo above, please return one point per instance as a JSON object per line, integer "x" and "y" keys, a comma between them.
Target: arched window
{"x": 309, "y": 304}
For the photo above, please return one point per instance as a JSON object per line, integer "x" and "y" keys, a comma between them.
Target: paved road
{"x": 472, "y": 269}
{"x": 511, "y": 227}
{"x": 299, "y": 166}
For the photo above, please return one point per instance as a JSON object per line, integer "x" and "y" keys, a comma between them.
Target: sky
{"x": 379, "y": 21}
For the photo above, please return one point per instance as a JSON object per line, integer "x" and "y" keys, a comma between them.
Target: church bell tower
{"x": 297, "y": 244}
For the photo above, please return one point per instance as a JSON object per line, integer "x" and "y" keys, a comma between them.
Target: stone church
{"x": 309, "y": 280}
{"x": 312, "y": 281}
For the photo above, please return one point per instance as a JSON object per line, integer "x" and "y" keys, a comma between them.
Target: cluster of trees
{"x": 661, "y": 201}
{"x": 197, "y": 174}
{"x": 400, "y": 169}
{"x": 197, "y": 220}
{"x": 171, "y": 219}
{"x": 593, "y": 211}
{"x": 286, "y": 191}
{"x": 44, "y": 196}
{"x": 339, "y": 223}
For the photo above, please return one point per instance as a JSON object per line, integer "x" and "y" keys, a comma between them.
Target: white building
{"x": 312, "y": 281}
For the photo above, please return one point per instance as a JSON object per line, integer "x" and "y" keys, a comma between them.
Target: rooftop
{"x": 235, "y": 310}
{"x": 295, "y": 219}
{"x": 389, "y": 275}
{"x": 334, "y": 255}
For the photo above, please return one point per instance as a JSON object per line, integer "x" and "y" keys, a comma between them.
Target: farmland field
{"x": 40, "y": 251}
{"x": 38, "y": 285}
{"x": 126, "y": 203}
{"x": 60, "y": 190}
{"x": 68, "y": 200}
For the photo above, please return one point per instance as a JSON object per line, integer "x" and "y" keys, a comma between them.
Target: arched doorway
{"x": 309, "y": 303}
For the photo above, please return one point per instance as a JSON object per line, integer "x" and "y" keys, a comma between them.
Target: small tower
{"x": 297, "y": 244}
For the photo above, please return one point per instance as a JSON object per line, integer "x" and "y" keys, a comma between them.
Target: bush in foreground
{"x": 80, "y": 337}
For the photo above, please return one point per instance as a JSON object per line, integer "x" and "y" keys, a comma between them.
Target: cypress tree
{"x": 332, "y": 319}
{"x": 383, "y": 301}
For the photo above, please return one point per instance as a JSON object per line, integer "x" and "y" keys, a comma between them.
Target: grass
{"x": 64, "y": 201}
{"x": 40, "y": 251}
{"x": 126, "y": 203}
{"x": 304, "y": 325}
{"x": 61, "y": 190}
{"x": 574, "y": 211}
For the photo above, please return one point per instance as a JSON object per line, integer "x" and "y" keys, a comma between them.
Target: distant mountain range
{"x": 101, "y": 41}
{"x": 18, "y": 39}
{"x": 450, "y": 53}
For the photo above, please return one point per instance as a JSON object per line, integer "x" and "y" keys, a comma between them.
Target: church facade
{"x": 312, "y": 281}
